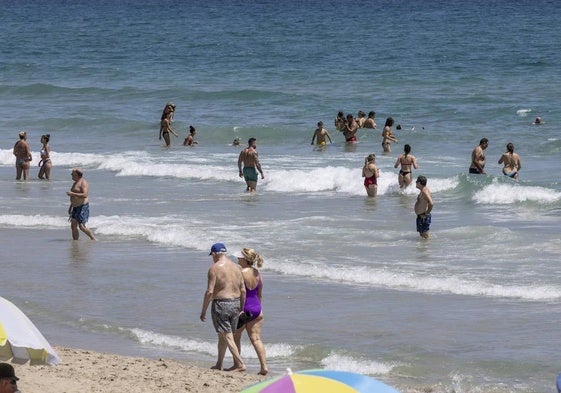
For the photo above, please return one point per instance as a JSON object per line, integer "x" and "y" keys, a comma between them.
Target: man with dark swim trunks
{"x": 250, "y": 160}
{"x": 79, "y": 209}
{"x": 423, "y": 207}
{"x": 226, "y": 290}
{"x": 478, "y": 158}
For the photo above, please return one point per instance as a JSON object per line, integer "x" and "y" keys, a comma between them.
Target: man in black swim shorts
{"x": 423, "y": 207}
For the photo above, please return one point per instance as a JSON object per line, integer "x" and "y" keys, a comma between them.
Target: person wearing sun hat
{"x": 8, "y": 379}
{"x": 226, "y": 291}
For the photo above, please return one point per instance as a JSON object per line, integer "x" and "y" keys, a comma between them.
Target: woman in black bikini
{"x": 406, "y": 160}
{"x": 45, "y": 164}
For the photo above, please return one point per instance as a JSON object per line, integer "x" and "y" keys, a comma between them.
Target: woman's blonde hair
{"x": 252, "y": 257}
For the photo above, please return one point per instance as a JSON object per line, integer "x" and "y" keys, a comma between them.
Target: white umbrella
{"x": 20, "y": 340}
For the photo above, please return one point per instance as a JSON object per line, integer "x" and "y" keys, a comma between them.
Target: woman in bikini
{"x": 45, "y": 164}
{"x": 387, "y": 135}
{"x": 406, "y": 160}
{"x": 249, "y": 260}
{"x": 511, "y": 162}
{"x": 370, "y": 173}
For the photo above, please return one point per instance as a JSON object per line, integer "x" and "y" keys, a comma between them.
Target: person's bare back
{"x": 228, "y": 277}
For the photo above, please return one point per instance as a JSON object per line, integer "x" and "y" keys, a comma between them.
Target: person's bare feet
{"x": 263, "y": 372}
{"x": 216, "y": 367}
{"x": 238, "y": 368}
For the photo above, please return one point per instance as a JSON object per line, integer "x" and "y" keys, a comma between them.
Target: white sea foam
{"x": 523, "y": 112}
{"x": 19, "y": 220}
{"x": 394, "y": 279}
{"x": 162, "y": 340}
{"x": 173, "y": 231}
{"x": 339, "y": 179}
{"x": 335, "y": 361}
{"x": 503, "y": 194}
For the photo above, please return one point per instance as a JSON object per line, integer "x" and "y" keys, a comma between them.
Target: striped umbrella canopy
{"x": 324, "y": 381}
{"x": 20, "y": 340}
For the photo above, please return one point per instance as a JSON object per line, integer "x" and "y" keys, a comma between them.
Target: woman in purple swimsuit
{"x": 253, "y": 286}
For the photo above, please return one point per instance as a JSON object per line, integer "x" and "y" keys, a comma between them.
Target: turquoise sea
{"x": 349, "y": 284}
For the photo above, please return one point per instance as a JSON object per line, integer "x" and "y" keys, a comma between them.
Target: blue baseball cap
{"x": 217, "y": 247}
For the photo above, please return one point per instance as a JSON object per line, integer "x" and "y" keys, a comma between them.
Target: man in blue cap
{"x": 226, "y": 290}
{"x": 8, "y": 379}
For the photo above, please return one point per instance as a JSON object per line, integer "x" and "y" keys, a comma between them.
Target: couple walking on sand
{"x": 235, "y": 293}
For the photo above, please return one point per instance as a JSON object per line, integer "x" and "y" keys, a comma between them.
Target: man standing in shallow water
{"x": 79, "y": 209}
{"x": 478, "y": 158}
{"x": 319, "y": 135}
{"x": 250, "y": 160}
{"x": 226, "y": 290}
{"x": 423, "y": 207}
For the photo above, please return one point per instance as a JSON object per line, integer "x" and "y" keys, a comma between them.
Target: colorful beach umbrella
{"x": 20, "y": 340}
{"x": 324, "y": 381}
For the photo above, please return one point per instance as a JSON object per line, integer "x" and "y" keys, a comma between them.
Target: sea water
{"x": 349, "y": 284}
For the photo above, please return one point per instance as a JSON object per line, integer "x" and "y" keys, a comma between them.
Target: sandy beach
{"x": 83, "y": 370}
{"x": 88, "y": 371}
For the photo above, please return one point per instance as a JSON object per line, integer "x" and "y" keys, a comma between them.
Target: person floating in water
{"x": 190, "y": 140}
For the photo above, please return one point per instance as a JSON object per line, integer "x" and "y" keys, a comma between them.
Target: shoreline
{"x": 82, "y": 370}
